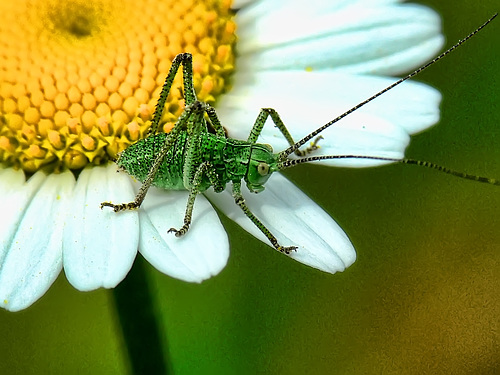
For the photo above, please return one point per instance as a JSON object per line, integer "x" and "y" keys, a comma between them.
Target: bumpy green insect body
{"x": 190, "y": 158}
{"x": 232, "y": 160}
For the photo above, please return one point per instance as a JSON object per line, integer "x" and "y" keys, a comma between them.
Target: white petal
{"x": 13, "y": 199}
{"x": 314, "y": 98}
{"x": 381, "y": 128}
{"x": 201, "y": 253}
{"x": 31, "y": 253}
{"x": 295, "y": 220}
{"x": 358, "y": 38}
{"x": 100, "y": 245}
{"x": 238, "y": 4}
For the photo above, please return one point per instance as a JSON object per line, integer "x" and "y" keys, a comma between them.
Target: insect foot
{"x": 120, "y": 207}
{"x": 313, "y": 147}
{"x": 179, "y": 232}
{"x": 287, "y": 249}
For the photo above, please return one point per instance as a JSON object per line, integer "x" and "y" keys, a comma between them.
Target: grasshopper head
{"x": 262, "y": 163}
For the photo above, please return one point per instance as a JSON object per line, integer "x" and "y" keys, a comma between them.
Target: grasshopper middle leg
{"x": 204, "y": 169}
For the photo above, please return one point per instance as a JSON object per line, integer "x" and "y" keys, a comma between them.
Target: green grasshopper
{"x": 193, "y": 159}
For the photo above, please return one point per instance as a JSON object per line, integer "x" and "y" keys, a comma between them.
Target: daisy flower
{"x": 79, "y": 81}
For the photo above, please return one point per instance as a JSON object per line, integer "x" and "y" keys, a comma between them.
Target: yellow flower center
{"x": 79, "y": 79}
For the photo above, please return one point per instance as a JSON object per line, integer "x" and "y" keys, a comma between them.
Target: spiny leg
{"x": 189, "y": 94}
{"x": 259, "y": 125}
{"x": 169, "y": 141}
{"x": 214, "y": 119}
{"x": 204, "y": 169}
{"x": 240, "y": 201}
{"x": 196, "y": 128}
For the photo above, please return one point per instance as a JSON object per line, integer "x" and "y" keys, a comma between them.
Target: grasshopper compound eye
{"x": 263, "y": 169}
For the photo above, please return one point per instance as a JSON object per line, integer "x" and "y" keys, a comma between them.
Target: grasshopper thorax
{"x": 261, "y": 165}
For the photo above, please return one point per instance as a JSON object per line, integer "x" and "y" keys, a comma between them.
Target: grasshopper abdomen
{"x": 228, "y": 158}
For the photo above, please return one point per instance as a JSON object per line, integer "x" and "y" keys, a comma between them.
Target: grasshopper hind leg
{"x": 169, "y": 142}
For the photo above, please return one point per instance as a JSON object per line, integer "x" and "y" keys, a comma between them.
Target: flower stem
{"x": 141, "y": 332}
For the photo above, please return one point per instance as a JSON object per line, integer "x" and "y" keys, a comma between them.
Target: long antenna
{"x": 293, "y": 162}
{"x": 283, "y": 155}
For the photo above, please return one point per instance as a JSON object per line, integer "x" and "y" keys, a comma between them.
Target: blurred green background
{"x": 422, "y": 298}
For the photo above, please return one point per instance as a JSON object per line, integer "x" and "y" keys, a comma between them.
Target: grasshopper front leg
{"x": 240, "y": 201}
{"x": 259, "y": 125}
